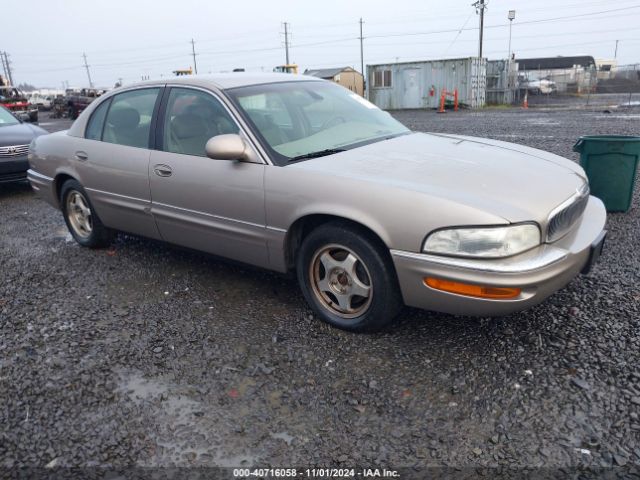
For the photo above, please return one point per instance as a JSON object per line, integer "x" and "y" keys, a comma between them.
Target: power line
{"x": 344, "y": 40}
{"x": 459, "y": 32}
{"x": 502, "y": 25}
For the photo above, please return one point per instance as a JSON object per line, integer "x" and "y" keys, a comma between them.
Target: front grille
{"x": 14, "y": 151}
{"x": 563, "y": 220}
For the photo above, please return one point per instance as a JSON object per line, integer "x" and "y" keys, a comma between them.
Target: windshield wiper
{"x": 319, "y": 153}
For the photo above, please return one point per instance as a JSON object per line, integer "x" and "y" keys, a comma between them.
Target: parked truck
{"x": 77, "y": 100}
{"x": 17, "y": 102}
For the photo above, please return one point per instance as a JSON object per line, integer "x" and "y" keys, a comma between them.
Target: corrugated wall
{"x": 502, "y": 81}
{"x": 419, "y": 84}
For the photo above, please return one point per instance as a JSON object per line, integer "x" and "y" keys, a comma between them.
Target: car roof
{"x": 219, "y": 81}
{"x": 223, "y": 81}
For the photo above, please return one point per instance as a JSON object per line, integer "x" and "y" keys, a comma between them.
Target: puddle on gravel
{"x": 64, "y": 234}
{"x": 185, "y": 431}
{"x": 617, "y": 117}
{"x": 541, "y": 121}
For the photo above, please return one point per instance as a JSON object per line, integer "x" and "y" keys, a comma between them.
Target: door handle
{"x": 82, "y": 156}
{"x": 162, "y": 170}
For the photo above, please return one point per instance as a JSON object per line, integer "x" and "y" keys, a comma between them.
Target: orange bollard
{"x": 442, "y": 99}
{"x": 525, "y": 104}
{"x": 455, "y": 100}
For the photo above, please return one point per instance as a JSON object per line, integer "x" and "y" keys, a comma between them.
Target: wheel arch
{"x": 305, "y": 224}
{"x": 58, "y": 181}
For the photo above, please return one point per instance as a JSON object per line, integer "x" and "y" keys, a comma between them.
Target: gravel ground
{"x": 149, "y": 355}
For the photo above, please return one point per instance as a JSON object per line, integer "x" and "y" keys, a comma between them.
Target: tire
{"x": 336, "y": 261}
{"x": 81, "y": 219}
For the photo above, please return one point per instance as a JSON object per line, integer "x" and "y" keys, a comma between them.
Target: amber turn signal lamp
{"x": 497, "y": 293}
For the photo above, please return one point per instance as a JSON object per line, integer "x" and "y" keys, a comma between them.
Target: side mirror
{"x": 228, "y": 147}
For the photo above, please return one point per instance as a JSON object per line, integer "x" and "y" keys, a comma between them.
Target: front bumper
{"x": 13, "y": 169}
{"x": 539, "y": 272}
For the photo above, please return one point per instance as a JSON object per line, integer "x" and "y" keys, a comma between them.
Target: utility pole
{"x": 616, "y": 54}
{"x": 4, "y": 67}
{"x": 193, "y": 52}
{"x": 7, "y": 65}
{"x": 361, "y": 49}
{"x": 84, "y": 55}
{"x": 286, "y": 42}
{"x": 480, "y": 6}
{"x": 364, "y": 75}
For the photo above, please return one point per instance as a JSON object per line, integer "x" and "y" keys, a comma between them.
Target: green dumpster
{"x": 610, "y": 162}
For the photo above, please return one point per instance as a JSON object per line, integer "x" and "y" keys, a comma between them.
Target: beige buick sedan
{"x": 289, "y": 173}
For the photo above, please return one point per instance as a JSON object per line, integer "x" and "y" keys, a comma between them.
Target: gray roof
{"x": 326, "y": 72}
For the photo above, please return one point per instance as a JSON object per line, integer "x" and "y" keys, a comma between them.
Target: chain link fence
{"x": 604, "y": 85}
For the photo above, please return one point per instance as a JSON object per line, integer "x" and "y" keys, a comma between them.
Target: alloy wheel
{"x": 341, "y": 281}
{"x": 79, "y": 214}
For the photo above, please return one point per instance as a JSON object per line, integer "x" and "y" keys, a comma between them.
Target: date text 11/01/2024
{"x": 315, "y": 472}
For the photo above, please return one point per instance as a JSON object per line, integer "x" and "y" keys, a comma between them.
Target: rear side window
{"x": 96, "y": 122}
{"x": 129, "y": 119}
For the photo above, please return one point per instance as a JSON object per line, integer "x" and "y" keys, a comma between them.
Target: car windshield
{"x": 6, "y": 118}
{"x": 300, "y": 120}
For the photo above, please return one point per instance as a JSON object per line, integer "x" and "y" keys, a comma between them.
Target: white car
{"x": 542, "y": 86}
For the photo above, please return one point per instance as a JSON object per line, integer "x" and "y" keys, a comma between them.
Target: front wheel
{"x": 348, "y": 278}
{"x": 82, "y": 221}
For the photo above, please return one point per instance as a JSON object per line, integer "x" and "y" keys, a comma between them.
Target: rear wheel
{"x": 348, "y": 278}
{"x": 82, "y": 221}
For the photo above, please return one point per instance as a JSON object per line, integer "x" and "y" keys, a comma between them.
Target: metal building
{"x": 502, "y": 82}
{"x": 395, "y": 86}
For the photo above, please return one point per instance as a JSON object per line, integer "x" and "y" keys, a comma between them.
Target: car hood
{"x": 512, "y": 181}
{"x": 20, "y": 134}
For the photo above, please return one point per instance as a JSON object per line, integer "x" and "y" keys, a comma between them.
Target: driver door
{"x": 216, "y": 206}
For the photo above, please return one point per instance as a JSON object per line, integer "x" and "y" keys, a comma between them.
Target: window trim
{"x": 243, "y": 130}
{"x": 382, "y": 75}
{"x": 92, "y": 115}
{"x": 110, "y": 99}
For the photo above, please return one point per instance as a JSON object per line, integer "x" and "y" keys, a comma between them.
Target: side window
{"x": 382, "y": 78}
{"x": 192, "y": 118}
{"x": 96, "y": 122}
{"x": 270, "y": 115}
{"x": 129, "y": 119}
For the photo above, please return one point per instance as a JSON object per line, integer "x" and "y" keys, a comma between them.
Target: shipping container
{"x": 403, "y": 85}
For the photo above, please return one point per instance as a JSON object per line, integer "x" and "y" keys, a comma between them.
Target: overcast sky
{"x": 129, "y": 39}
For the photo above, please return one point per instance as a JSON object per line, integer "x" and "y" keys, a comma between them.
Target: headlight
{"x": 485, "y": 242}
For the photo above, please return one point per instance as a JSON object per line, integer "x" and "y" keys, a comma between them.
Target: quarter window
{"x": 192, "y": 118}
{"x": 129, "y": 119}
{"x": 96, "y": 122}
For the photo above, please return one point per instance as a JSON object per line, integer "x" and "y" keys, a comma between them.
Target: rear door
{"x": 215, "y": 206}
{"x": 113, "y": 160}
